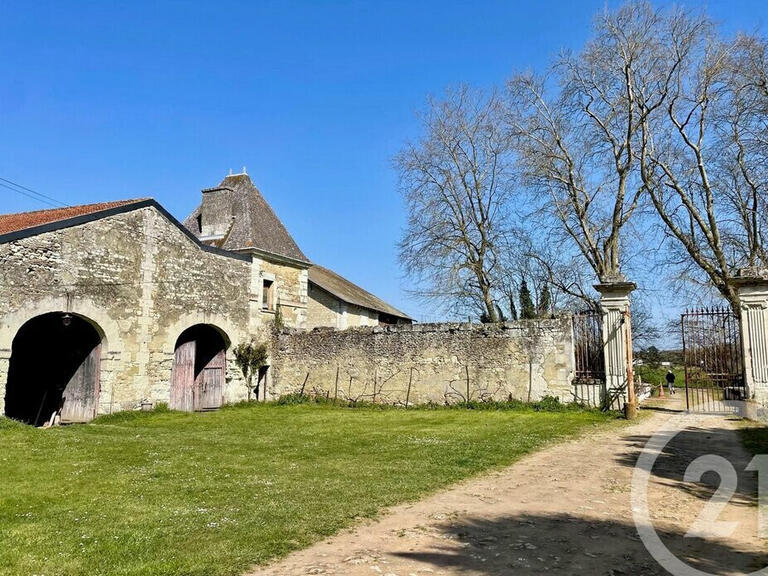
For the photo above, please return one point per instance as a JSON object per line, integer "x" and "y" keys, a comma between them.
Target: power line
{"x": 28, "y": 192}
{"x": 29, "y": 195}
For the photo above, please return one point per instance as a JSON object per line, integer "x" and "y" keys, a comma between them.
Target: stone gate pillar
{"x": 617, "y": 342}
{"x": 752, "y": 286}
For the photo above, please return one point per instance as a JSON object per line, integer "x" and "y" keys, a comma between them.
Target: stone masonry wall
{"x": 291, "y": 292}
{"x": 323, "y": 309}
{"x": 141, "y": 282}
{"x": 525, "y": 361}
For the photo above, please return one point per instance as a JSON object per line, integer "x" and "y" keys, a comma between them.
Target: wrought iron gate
{"x": 714, "y": 372}
{"x": 589, "y": 377}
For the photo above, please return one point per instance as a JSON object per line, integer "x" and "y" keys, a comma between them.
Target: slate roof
{"x": 255, "y": 226}
{"x": 23, "y": 220}
{"x": 346, "y": 291}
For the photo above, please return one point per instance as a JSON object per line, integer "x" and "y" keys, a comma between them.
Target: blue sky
{"x": 105, "y": 100}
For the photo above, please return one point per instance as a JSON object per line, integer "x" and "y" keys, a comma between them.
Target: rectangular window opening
{"x": 267, "y": 295}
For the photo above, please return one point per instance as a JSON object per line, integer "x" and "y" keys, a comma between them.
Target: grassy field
{"x": 657, "y": 375}
{"x": 173, "y": 493}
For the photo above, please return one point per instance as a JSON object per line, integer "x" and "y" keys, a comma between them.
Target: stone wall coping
{"x": 619, "y": 288}
{"x": 752, "y": 276}
{"x": 438, "y": 327}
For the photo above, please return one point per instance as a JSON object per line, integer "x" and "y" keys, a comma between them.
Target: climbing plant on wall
{"x": 250, "y": 357}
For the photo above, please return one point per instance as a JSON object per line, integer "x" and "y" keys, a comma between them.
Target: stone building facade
{"x": 335, "y": 302}
{"x": 112, "y": 306}
{"x": 139, "y": 280}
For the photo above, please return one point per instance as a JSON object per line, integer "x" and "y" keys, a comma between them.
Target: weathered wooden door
{"x": 210, "y": 383}
{"x": 81, "y": 394}
{"x": 183, "y": 377}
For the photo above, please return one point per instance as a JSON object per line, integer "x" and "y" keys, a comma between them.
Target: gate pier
{"x": 617, "y": 343}
{"x": 752, "y": 286}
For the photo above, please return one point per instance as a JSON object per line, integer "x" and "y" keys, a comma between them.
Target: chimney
{"x": 216, "y": 212}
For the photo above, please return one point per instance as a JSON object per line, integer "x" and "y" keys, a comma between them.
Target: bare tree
{"x": 703, "y": 152}
{"x": 542, "y": 262}
{"x": 576, "y": 129}
{"x": 456, "y": 182}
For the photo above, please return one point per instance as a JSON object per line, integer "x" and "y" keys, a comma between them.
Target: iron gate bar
{"x": 589, "y": 373}
{"x": 712, "y": 359}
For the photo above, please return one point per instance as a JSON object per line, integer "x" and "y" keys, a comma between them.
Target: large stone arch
{"x": 164, "y": 349}
{"x": 218, "y": 322}
{"x": 107, "y": 328}
{"x": 54, "y": 370}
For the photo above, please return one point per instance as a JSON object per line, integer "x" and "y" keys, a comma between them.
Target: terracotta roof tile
{"x": 23, "y": 220}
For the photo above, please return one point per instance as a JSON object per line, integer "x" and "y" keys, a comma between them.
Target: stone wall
{"x": 525, "y": 361}
{"x": 291, "y": 291}
{"x": 141, "y": 282}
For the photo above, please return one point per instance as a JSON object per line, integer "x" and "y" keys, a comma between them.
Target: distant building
{"x": 336, "y": 302}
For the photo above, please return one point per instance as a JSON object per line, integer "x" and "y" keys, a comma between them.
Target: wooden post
{"x": 301, "y": 393}
{"x": 336, "y": 386}
{"x": 408, "y": 393}
{"x": 467, "y": 369}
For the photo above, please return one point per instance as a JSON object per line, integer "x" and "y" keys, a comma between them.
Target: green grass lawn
{"x": 657, "y": 375}
{"x": 174, "y": 493}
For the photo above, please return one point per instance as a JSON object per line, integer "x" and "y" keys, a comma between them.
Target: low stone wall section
{"x": 422, "y": 363}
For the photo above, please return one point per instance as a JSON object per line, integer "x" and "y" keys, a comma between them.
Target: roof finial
{"x": 230, "y": 171}
{"x": 244, "y": 171}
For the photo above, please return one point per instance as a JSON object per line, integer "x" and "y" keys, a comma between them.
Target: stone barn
{"x": 112, "y": 306}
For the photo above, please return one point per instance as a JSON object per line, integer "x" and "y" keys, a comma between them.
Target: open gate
{"x": 589, "y": 376}
{"x": 714, "y": 368}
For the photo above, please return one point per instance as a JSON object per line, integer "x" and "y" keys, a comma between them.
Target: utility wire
{"x": 29, "y": 193}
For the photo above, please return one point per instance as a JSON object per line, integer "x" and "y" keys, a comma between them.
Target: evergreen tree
{"x": 545, "y": 302}
{"x": 527, "y": 309}
{"x": 512, "y": 309}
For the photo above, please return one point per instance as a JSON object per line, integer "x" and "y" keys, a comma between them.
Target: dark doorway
{"x": 199, "y": 369}
{"x": 54, "y": 369}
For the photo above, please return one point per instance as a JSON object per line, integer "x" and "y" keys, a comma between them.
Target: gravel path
{"x": 564, "y": 510}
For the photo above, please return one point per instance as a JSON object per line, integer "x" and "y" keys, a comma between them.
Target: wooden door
{"x": 183, "y": 377}
{"x": 81, "y": 394}
{"x": 210, "y": 383}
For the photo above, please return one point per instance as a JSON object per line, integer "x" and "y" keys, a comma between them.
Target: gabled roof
{"x": 255, "y": 225}
{"x": 346, "y": 291}
{"x": 27, "y": 224}
{"x": 24, "y": 220}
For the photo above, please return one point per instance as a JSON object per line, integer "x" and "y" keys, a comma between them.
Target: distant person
{"x": 671, "y": 381}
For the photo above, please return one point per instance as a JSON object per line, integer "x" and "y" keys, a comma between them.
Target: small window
{"x": 267, "y": 295}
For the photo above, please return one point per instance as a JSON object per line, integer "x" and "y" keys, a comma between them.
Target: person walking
{"x": 671, "y": 381}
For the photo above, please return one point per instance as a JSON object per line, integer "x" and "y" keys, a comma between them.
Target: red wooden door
{"x": 183, "y": 378}
{"x": 81, "y": 394}
{"x": 210, "y": 383}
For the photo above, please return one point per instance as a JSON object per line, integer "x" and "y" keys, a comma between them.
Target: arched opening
{"x": 199, "y": 369}
{"x": 54, "y": 370}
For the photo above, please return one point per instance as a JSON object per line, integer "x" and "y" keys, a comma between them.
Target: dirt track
{"x": 565, "y": 510}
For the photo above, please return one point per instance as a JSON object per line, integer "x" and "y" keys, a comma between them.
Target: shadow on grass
{"x": 566, "y": 544}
